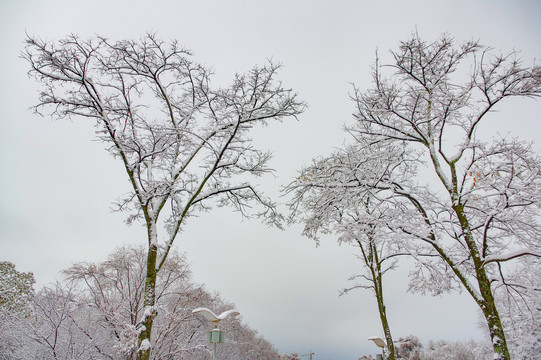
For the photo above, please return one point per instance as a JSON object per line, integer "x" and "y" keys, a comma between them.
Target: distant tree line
{"x": 411, "y": 348}
{"x": 93, "y": 314}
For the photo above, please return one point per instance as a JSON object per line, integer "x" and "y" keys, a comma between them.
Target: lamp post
{"x": 214, "y": 336}
{"x": 310, "y": 353}
{"x": 380, "y": 343}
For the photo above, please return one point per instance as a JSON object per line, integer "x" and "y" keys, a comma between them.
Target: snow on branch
{"x": 510, "y": 256}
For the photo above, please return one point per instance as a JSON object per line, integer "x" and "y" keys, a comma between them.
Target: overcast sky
{"x": 57, "y": 183}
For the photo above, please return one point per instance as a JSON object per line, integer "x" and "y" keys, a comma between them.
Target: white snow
{"x": 510, "y": 255}
{"x": 145, "y": 345}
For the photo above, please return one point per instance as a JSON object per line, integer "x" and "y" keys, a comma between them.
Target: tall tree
{"x": 181, "y": 142}
{"x": 477, "y": 202}
{"x": 339, "y": 194}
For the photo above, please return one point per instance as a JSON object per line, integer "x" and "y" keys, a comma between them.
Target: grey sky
{"x": 57, "y": 183}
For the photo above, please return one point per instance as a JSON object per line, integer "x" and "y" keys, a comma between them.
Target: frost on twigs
{"x": 520, "y": 302}
{"x": 182, "y": 143}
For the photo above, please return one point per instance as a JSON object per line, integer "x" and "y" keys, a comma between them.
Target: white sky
{"x": 57, "y": 184}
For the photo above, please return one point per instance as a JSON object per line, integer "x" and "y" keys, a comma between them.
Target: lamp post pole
{"x": 214, "y": 336}
{"x": 309, "y": 354}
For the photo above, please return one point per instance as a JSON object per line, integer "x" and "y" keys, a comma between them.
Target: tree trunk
{"x": 486, "y": 302}
{"x": 372, "y": 261}
{"x": 383, "y": 317}
{"x": 495, "y": 327}
{"x": 149, "y": 310}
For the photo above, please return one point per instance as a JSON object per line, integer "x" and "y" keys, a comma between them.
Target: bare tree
{"x": 477, "y": 203}
{"x": 49, "y": 332}
{"x": 339, "y": 194}
{"x": 112, "y": 293}
{"x": 111, "y": 299}
{"x": 181, "y": 142}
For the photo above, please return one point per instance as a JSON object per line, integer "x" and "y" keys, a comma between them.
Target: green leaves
{"x": 16, "y": 291}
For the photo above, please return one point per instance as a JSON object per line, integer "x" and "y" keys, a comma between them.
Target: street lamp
{"x": 215, "y": 335}
{"x": 310, "y": 353}
{"x": 380, "y": 343}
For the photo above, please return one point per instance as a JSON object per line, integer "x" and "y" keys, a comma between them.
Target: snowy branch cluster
{"x": 181, "y": 141}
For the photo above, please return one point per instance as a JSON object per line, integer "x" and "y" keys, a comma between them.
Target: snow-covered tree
{"x": 95, "y": 315}
{"x": 409, "y": 348}
{"x": 474, "y": 201}
{"x": 181, "y": 142}
{"x": 456, "y": 350}
{"x": 16, "y": 298}
{"x": 16, "y": 290}
{"x": 111, "y": 293}
{"x": 50, "y": 332}
{"x": 339, "y": 194}
{"x": 421, "y": 173}
{"x": 292, "y": 356}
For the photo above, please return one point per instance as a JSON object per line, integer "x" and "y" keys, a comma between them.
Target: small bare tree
{"x": 339, "y": 194}
{"x": 181, "y": 142}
